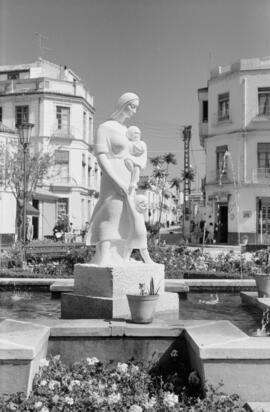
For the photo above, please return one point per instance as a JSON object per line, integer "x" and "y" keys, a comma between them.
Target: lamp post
{"x": 24, "y": 131}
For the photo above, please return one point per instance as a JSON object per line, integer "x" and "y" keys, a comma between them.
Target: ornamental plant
{"x": 93, "y": 386}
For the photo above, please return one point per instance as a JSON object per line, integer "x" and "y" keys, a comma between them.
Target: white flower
{"x": 135, "y": 408}
{"x": 101, "y": 386}
{"x": 122, "y": 367}
{"x": 43, "y": 382}
{"x": 92, "y": 361}
{"x": 174, "y": 353}
{"x": 72, "y": 383}
{"x": 12, "y": 406}
{"x": 150, "y": 403}
{"x": 44, "y": 362}
{"x": 114, "y": 398}
{"x": 134, "y": 369}
{"x": 114, "y": 387}
{"x": 53, "y": 384}
{"x": 44, "y": 409}
{"x": 97, "y": 397}
{"x": 170, "y": 399}
{"x": 55, "y": 398}
{"x": 69, "y": 400}
{"x": 38, "y": 405}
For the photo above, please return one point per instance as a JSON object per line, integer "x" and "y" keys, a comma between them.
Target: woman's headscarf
{"x": 123, "y": 101}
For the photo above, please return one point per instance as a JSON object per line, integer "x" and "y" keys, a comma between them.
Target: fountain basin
{"x": 218, "y": 350}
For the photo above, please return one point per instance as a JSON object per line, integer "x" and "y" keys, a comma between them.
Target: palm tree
{"x": 176, "y": 182}
{"x": 157, "y": 161}
{"x": 169, "y": 159}
{"x": 144, "y": 185}
{"x": 189, "y": 174}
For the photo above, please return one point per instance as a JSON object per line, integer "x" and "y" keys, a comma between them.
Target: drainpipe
{"x": 39, "y": 116}
{"x": 244, "y": 133}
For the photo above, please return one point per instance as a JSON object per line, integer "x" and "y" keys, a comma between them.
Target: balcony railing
{"x": 215, "y": 178}
{"x": 46, "y": 85}
{"x": 218, "y": 118}
{"x": 260, "y": 175}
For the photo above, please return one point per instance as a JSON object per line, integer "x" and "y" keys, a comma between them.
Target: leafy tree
{"x": 38, "y": 164}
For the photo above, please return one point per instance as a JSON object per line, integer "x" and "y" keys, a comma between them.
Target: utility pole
{"x": 187, "y": 181}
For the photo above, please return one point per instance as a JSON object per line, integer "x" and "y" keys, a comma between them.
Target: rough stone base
{"x": 74, "y": 306}
{"x": 100, "y": 292}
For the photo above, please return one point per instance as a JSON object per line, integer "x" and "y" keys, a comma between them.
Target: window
{"x": 61, "y": 161}
{"x": 263, "y": 150}
{"x": 83, "y": 169}
{"x": 89, "y": 172}
{"x": 13, "y": 75}
{"x": 221, "y": 166}
{"x": 205, "y": 111}
{"x": 1, "y": 114}
{"x": 84, "y": 126}
{"x": 22, "y": 114}
{"x": 63, "y": 118}
{"x": 223, "y": 106}
{"x": 264, "y": 100}
{"x": 62, "y": 208}
{"x": 90, "y": 131}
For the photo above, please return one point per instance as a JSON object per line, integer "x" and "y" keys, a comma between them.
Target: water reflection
{"x": 198, "y": 306}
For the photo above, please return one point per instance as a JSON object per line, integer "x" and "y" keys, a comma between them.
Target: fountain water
{"x": 21, "y": 296}
{"x": 265, "y": 325}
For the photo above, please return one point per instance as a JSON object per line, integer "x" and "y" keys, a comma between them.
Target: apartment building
{"x": 56, "y": 101}
{"x": 234, "y": 129}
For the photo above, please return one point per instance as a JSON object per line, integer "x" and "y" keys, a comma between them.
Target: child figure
{"x": 137, "y": 156}
{"x": 139, "y": 239}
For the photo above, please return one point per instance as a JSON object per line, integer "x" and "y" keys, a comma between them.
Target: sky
{"x": 162, "y": 50}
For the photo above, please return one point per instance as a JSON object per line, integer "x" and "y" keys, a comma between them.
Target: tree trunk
{"x": 19, "y": 219}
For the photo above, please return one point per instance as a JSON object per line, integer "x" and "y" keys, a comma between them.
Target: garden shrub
{"x": 93, "y": 386}
{"x": 12, "y": 257}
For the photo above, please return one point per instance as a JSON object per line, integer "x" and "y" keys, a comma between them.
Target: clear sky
{"x": 160, "y": 49}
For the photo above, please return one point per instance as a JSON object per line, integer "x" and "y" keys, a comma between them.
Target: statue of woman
{"x": 113, "y": 223}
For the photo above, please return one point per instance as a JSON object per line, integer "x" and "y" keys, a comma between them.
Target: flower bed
{"x": 178, "y": 260}
{"x": 94, "y": 386}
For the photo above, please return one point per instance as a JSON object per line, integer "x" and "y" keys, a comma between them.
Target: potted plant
{"x": 262, "y": 279}
{"x": 142, "y": 306}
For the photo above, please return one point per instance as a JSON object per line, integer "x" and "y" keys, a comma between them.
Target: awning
{"x": 43, "y": 194}
{"x": 31, "y": 210}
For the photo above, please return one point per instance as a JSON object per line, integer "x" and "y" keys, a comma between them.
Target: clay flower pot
{"x": 142, "y": 307}
{"x": 263, "y": 285}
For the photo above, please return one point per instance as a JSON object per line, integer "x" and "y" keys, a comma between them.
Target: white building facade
{"x": 234, "y": 128}
{"x": 55, "y": 100}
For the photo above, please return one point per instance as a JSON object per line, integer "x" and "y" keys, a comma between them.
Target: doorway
{"x": 222, "y": 222}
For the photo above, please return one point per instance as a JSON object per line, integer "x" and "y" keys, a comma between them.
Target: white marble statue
{"x": 117, "y": 224}
{"x": 137, "y": 156}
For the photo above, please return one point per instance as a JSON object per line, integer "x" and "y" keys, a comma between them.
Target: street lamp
{"x": 24, "y": 131}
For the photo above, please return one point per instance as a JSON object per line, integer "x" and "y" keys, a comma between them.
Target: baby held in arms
{"x": 137, "y": 156}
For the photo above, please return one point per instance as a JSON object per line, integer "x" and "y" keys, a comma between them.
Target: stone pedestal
{"x": 100, "y": 292}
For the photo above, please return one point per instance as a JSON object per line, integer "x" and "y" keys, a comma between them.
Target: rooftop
{"x": 241, "y": 65}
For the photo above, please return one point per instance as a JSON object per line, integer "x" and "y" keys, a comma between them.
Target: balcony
{"x": 43, "y": 84}
{"x": 214, "y": 178}
{"x": 220, "y": 119}
{"x": 260, "y": 176}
